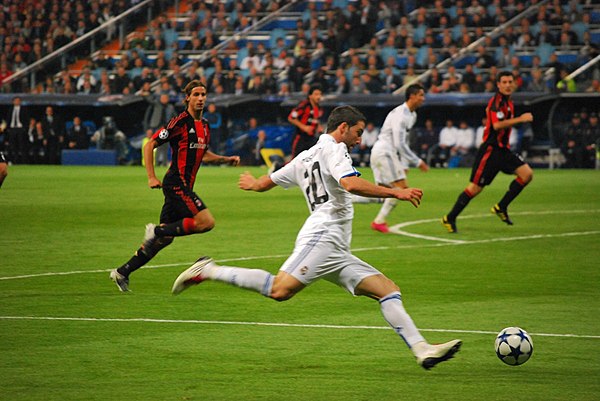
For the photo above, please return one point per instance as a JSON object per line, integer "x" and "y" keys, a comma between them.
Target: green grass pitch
{"x": 66, "y": 333}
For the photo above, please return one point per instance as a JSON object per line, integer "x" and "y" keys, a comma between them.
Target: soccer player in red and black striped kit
{"x": 306, "y": 117}
{"x": 494, "y": 155}
{"x": 183, "y": 212}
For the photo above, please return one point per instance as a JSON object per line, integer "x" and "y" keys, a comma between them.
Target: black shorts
{"x": 2, "y": 158}
{"x": 490, "y": 160}
{"x": 180, "y": 203}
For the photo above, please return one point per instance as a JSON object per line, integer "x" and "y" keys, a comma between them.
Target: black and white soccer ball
{"x": 514, "y": 346}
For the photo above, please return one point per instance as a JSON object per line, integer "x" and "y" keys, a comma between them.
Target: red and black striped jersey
{"x": 499, "y": 108}
{"x": 189, "y": 140}
{"x": 306, "y": 114}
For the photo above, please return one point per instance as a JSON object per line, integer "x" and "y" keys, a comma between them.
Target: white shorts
{"x": 387, "y": 168}
{"x": 316, "y": 259}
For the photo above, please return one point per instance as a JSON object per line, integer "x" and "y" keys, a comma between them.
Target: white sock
{"x": 388, "y": 205}
{"x": 394, "y": 313}
{"x": 256, "y": 280}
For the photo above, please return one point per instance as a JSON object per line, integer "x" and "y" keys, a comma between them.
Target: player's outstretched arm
{"x": 248, "y": 182}
{"x": 361, "y": 187}
{"x": 210, "y": 157}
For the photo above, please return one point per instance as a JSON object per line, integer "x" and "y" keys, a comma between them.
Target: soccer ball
{"x": 514, "y": 346}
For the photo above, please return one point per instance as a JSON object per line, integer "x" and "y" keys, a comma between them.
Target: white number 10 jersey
{"x": 318, "y": 171}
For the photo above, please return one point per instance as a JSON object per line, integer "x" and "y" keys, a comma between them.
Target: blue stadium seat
{"x": 469, "y": 59}
{"x": 401, "y": 61}
{"x": 525, "y": 59}
{"x": 567, "y": 58}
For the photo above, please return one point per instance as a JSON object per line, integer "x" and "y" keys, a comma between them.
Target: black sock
{"x": 138, "y": 260}
{"x": 462, "y": 202}
{"x": 514, "y": 189}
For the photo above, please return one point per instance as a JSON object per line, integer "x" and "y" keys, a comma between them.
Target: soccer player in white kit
{"x": 322, "y": 251}
{"x": 391, "y": 154}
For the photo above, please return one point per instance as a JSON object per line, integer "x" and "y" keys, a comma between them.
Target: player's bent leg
{"x": 203, "y": 221}
{"x": 524, "y": 173}
{"x": 285, "y": 286}
{"x": 376, "y": 286}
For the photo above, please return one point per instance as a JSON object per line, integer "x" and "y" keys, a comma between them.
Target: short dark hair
{"x": 344, "y": 114}
{"x": 413, "y": 90}
{"x": 504, "y": 74}
{"x": 315, "y": 87}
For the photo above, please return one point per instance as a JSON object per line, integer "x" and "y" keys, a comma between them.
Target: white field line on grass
{"x": 395, "y": 229}
{"x": 271, "y": 324}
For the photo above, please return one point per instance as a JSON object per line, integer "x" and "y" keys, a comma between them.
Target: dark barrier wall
{"x": 551, "y": 112}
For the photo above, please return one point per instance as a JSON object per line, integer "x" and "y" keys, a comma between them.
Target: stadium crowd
{"x": 360, "y": 47}
{"x": 348, "y": 47}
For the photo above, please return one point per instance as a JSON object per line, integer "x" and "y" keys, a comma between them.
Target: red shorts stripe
{"x": 482, "y": 164}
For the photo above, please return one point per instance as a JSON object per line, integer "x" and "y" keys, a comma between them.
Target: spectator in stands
{"x": 544, "y": 36}
{"x": 426, "y": 139}
{"x": 54, "y": 128}
{"x": 368, "y": 20}
{"x": 572, "y": 146}
{"x": 86, "y": 75}
{"x": 594, "y": 86}
{"x": 410, "y": 77}
{"x": 484, "y": 59}
{"x": 463, "y": 147}
{"x": 453, "y": 77}
{"x": 518, "y": 79}
{"x": 253, "y": 84}
{"x": 121, "y": 81}
{"x": 566, "y": 83}
{"x": 86, "y": 88}
{"x": 368, "y": 138}
{"x": 217, "y": 132}
{"x": 537, "y": 83}
{"x": 269, "y": 81}
{"x": 261, "y": 138}
{"x": 469, "y": 76}
{"x": 77, "y": 136}
{"x": 391, "y": 81}
{"x": 591, "y": 141}
{"x": 447, "y": 141}
{"x": 434, "y": 80}
{"x": 110, "y": 137}
{"x": 16, "y": 132}
{"x": 479, "y": 132}
{"x": 38, "y": 142}
{"x": 300, "y": 68}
